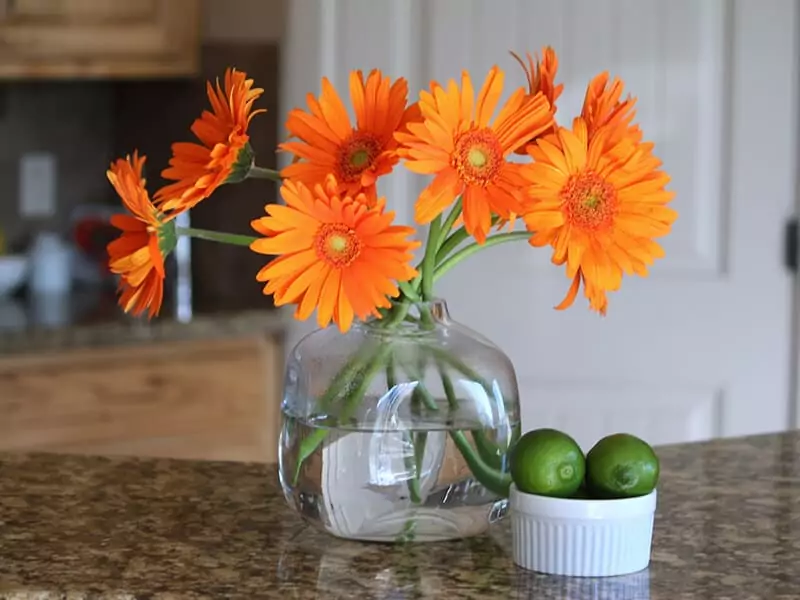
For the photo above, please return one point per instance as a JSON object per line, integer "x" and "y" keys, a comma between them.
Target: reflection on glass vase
{"x": 399, "y": 429}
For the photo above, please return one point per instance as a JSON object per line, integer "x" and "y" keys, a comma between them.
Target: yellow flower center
{"x": 589, "y": 201}
{"x": 337, "y": 245}
{"x": 357, "y": 154}
{"x": 478, "y": 157}
{"x": 359, "y": 159}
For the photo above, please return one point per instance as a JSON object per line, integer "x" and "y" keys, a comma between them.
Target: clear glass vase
{"x": 399, "y": 429}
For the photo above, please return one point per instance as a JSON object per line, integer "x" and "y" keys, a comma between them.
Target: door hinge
{"x": 790, "y": 251}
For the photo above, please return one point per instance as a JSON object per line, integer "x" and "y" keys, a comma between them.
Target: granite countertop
{"x": 727, "y": 526}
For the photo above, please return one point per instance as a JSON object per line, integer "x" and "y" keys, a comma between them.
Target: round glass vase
{"x": 399, "y": 429}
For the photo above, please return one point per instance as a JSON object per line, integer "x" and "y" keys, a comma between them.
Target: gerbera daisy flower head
{"x": 355, "y": 155}
{"x": 603, "y": 105}
{"x": 457, "y": 142}
{"x": 223, "y": 155}
{"x": 599, "y": 214}
{"x": 334, "y": 254}
{"x": 148, "y": 236}
{"x": 541, "y": 76}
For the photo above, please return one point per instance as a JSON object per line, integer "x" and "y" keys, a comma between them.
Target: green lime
{"x": 547, "y": 462}
{"x": 621, "y": 466}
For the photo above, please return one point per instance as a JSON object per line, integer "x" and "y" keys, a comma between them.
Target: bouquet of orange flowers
{"x": 591, "y": 190}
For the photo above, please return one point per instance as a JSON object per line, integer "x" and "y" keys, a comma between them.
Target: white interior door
{"x": 701, "y": 348}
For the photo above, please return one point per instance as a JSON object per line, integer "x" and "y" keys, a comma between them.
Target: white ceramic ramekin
{"x": 583, "y": 538}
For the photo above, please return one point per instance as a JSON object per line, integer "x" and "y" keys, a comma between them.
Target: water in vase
{"x": 390, "y": 481}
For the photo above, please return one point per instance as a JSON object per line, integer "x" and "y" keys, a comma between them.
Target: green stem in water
{"x": 359, "y": 361}
{"x": 391, "y": 374}
{"x": 216, "y": 236}
{"x": 309, "y": 445}
{"x": 344, "y": 376}
{"x": 414, "y": 492}
{"x": 467, "y": 251}
{"x": 494, "y": 481}
{"x": 461, "y": 367}
{"x": 262, "y": 173}
{"x": 447, "y": 384}
{"x": 429, "y": 260}
{"x": 488, "y": 451}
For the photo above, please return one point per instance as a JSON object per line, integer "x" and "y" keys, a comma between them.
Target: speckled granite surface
{"x": 124, "y": 331}
{"x": 728, "y": 526}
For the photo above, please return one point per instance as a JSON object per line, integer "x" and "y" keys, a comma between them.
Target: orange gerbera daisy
{"x": 148, "y": 236}
{"x": 455, "y": 142}
{"x": 330, "y": 145}
{"x": 603, "y": 105}
{"x": 598, "y": 213}
{"x": 541, "y": 76}
{"x": 224, "y": 154}
{"x": 337, "y": 255}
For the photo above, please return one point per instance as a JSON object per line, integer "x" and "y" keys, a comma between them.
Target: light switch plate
{"x": 37, "y": 185}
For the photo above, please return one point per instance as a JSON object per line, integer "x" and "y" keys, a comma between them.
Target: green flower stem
{"x": 414, "y": 492}
{"x": 461, "y": 367}
{"x": 488, "y": 451}
{"x": 309, "y": 445}
{"x": 391, "y": 374}
{"x": 420, "y": 440}
{"x": 453, "y": 241}
{"x": 429, "y": 260}
{"x": 494, "y": 481}
{"x": 344, "y": 376}
{"x": 262, "y": 173}
{"x": 447, "y": 384}
{"x": 420, "y": 396}
{"x": 409, "y": 291}
{"x": 216, "y": 236}
{"x": 458, "y": 237}
{"x": 360, "y": 360}
{"x": 495, "y": 240}
{"x": 450, "y": 221}
{"x": 490, "y": 459}
{"x": 442, "y": 238}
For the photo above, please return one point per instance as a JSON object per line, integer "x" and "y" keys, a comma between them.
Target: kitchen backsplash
{"x": 73, "y": 121}
{"x": 84, "y": 125}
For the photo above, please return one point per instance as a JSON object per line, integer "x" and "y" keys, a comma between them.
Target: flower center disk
{"x": 336, "y": 244}
{"x": 478, "y": 157}
{"x": 589, "y": 202}
{"x": 357, "y": 154}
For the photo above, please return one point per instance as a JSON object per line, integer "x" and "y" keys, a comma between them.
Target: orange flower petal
{"x": 489, "y": 96}
{"x": 572, "y": 293}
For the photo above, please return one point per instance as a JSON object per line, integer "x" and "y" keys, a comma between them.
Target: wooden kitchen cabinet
{"x": 99, "y": 38}
{"x": 213, "y": 400}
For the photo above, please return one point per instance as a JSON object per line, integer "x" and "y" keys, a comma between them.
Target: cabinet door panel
{"x": 96, "y": 11}
{"x": 214, "y": 399}
{"x": 98, "y": 37}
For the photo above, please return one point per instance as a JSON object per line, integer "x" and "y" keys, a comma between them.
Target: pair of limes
{"x": 548, "y": 462}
